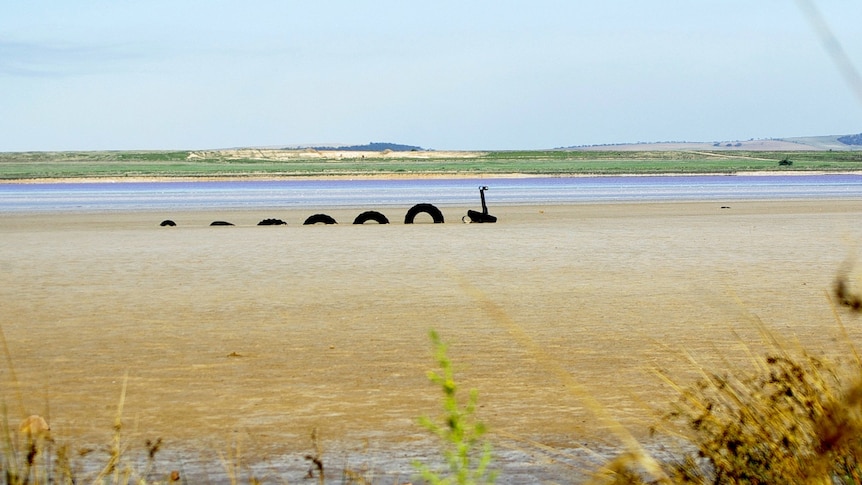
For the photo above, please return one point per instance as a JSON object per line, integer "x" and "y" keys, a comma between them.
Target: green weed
{"x": 459, "y": 431}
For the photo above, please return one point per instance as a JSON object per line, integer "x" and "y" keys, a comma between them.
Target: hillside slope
{"x": 805, "y": 143}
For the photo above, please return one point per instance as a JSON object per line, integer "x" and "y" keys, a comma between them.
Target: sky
{"x": 443, "y": 75}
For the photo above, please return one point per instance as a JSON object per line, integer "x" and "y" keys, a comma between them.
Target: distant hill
{"x": 801, "y": 143}
{"x": 851, "y": 139}
{"x": 374, "y": 146}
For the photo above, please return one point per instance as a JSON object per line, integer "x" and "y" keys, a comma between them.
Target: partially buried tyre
{"x": 424, "y": 208}
{"x": 272, "y": 222}
{"x": 371, "y": 216}
{"x": 319, "y": 219}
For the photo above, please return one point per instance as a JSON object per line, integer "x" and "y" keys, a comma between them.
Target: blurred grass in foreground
{"x": 791, "y": 418}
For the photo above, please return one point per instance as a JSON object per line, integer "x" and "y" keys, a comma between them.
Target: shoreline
{"x": 402, "y": 176}
{"x": 508, "y": 214}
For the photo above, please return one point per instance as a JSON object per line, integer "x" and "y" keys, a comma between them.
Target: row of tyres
{"x": 375, "y": 216}
{"x": 367, "y": 216}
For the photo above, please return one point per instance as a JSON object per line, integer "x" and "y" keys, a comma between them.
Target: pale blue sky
{"x": 156, "y": 74}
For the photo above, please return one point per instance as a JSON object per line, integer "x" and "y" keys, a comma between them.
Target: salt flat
{"x": 265, "y": 333}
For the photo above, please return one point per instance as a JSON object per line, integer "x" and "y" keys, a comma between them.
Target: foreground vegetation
{"x": 29, "y": 454}
{"x": 249, "y": 163}
{"x": 793, "y": 417}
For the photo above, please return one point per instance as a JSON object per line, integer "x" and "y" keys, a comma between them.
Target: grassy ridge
{"x": 34, "y": 165}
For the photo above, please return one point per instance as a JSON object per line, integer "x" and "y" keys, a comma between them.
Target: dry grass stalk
{"x": 316, "y": 459}
{"x": 797, "y": 422}
{"x": 795, "y": 418}
{"x": 634, "y": 450}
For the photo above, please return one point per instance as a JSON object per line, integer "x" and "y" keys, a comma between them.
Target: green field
{"x": 35, "y": 165}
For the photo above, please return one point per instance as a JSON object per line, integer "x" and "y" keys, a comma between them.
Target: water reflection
{"x": 404, "y": 192}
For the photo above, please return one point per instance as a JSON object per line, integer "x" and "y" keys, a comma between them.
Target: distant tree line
{"x": 851, "y": 139}
{"x": 375, "y": 146}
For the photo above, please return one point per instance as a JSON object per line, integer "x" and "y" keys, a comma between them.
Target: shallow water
{"x": 106, "y": 196}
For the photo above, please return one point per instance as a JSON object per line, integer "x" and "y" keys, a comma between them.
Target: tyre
{"x": 319, "y": 219}
{"x": 371, "y": 216}
{"x": 272, "y": 222}
{"x": 426, "y": 208}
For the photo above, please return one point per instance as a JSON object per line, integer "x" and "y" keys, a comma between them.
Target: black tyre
{"x": 168, "y": 223}
{"x": 371, "y": 216}
{"x": 220, "y": 223}
{"x": 319, "y": 219}
{"x": 426, "y": 208}
{"x": 272, "y": 222}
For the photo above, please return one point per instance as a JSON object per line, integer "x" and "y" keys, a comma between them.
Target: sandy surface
{"x": 258, "y": 334}
{"x": 311, "y": 153}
